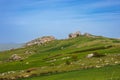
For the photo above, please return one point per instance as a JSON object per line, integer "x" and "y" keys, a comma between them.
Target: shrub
{"x": 95, "y": 54}
{"x": 68, "y": 62}
{"x": 74, "y": 57}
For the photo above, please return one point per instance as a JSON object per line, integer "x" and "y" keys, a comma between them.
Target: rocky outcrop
{"x": 15, "y": 57}
{"x": 41, "y": 40}
{"x": 73, "y": 35}
{"x": 78, "y": 33}
{"x": 89, "y": 35}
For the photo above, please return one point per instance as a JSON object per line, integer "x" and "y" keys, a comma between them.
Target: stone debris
{"x": 40, "y": 41}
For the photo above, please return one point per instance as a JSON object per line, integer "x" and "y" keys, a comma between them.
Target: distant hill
{"x": 9, "y": 46}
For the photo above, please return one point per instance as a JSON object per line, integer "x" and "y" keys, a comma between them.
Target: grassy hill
{"x": 62, "y": 56}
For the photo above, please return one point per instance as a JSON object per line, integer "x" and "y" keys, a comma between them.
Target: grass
{"x": 43, "y": 55}
{"x": 105, "y": 73}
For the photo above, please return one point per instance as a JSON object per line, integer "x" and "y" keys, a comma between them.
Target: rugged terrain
{"x": 81, "y": 56}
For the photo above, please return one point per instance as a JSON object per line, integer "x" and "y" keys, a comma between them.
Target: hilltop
{"x": 46, "y": 56}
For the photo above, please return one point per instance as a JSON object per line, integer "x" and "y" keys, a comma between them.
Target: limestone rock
{"x": 90, "y": 55}
{"x": 28, "y": 52}
{"x": 15, "y": 57}
{"x": 73, "y": 35}
{"x": 41, "y": 40}
{"x": 94, "y": 54}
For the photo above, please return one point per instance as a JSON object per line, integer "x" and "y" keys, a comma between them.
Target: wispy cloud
{"x": 102, "y": 4}
{"x": 52, "y": 16}
{"x": 43, "y": 10}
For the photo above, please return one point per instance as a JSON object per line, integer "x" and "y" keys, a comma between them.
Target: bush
{"x": 95, "y": 54}
{"x": 74, "y": 57}
{"x": 68, "y": 62}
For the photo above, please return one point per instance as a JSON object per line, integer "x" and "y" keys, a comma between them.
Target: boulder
{"x": 94, "y": 54}
{"x": 28, "y": 52}
{"x": 73, "y": 35}
{"x": 15, "y": 57}
{"x": 90, "y": 55}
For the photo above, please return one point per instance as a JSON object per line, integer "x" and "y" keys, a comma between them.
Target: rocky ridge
{"x": 40, "y": 41}
{"x": 45, "y": 39}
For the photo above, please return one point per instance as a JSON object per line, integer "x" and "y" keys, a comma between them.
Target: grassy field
{"x": 67, "y": 54}
{"x": 105, "y": 73}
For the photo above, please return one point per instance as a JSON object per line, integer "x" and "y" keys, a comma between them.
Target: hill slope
{"x": 60, "y": 56}
{"x": 88, "y": 74}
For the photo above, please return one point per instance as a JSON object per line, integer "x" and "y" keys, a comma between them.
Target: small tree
{"x": 74, "y": 57}
{"x": 68, "y": 62}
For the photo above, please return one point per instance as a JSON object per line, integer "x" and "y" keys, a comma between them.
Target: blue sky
{"x": 24, "y": 20}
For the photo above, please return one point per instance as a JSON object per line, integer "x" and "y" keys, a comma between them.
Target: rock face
{"x": 73, "y": 35}
{"x": 15, "y": 57}
{"x": 41, "y": 40}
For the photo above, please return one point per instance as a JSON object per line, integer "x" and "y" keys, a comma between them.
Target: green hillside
{"x": 88, "y": 74}
{"x": 62, "y": 56}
